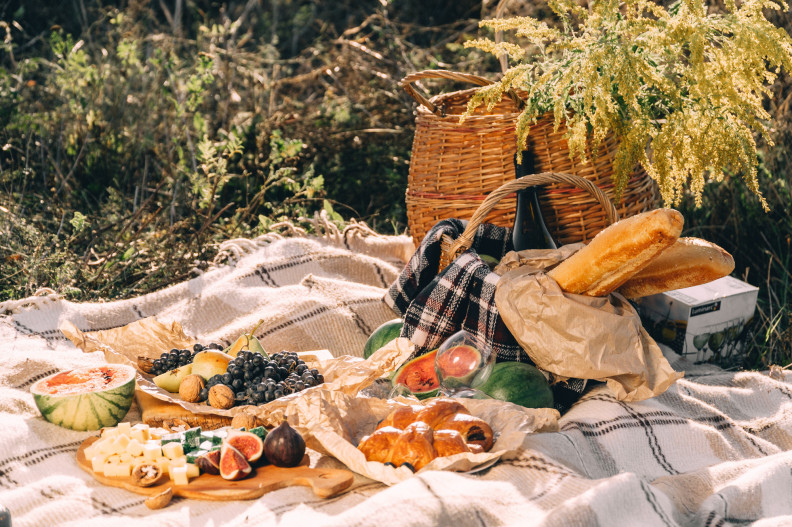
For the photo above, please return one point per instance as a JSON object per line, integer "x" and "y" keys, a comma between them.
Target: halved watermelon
{"x": 86, "y": 398}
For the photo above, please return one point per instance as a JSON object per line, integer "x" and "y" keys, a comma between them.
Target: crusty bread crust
{"x": 618, "y": 252}
{"x": 689, "y": 262}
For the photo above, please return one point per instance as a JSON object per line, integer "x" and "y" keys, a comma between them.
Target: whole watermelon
{"x": 518, "y": 383}
{"x": 382, "y": 335}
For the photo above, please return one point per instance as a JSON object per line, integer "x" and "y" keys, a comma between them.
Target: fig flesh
{"x": 250, "y": 445}
{"x": 284, "y": 446}
{"x": 233, "y": 464}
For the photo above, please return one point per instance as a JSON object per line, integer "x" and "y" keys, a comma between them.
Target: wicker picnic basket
{"x": 455, "y": 166}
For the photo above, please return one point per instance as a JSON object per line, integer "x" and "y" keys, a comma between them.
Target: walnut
{"x": 158, "y": 501}
{"x": 221, "y": 396}
{"x": 146, "y": 474}
{"x": 245, "y": 420}
{"x": 190, "y": 388}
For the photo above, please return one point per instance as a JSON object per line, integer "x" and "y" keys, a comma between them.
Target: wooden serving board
{"x": 324, "y": 482}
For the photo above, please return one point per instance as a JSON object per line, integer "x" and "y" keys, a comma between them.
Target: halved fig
{"x": 250, "y": 445}
{"x": 209, "y": 463}
{"x": 233, "y": 464}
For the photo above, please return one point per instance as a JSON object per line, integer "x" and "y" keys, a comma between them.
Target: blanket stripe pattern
{"x": 714, "y": 450}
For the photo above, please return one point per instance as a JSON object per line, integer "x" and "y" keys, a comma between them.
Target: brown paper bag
{"x": 576, "y": 336}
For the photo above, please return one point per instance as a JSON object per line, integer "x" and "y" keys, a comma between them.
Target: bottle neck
{"x": 530, "y": 230}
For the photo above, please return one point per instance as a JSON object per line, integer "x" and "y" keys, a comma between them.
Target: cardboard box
{"x": 705, "y": 323}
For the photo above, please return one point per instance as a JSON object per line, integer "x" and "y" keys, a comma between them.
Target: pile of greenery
{"x": 138, "y": 135}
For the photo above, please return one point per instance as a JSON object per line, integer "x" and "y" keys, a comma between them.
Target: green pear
{"x": 170, "y": 380}
{"x": 209, "y": 363}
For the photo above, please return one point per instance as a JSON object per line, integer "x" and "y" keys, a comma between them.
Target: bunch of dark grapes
{"x": 255, "y": 379}
{"x": 179, "y": 357}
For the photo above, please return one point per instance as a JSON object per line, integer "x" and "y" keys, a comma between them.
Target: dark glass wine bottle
{"x": 530, "y": 230}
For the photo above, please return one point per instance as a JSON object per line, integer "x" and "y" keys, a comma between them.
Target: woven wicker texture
{"x": 453, "y": 247}
{"x": 454, "y": 166}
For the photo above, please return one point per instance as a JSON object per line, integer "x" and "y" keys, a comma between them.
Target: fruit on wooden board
{"x": 209, "y": 462}
{"x": 172, "y": 379}
{"x": 233, "y": 464}
{"x": 86, "y": 398}
{"x": 209, "y": 363}
{"x": 419, "y": 376}
{"x": 284, "y": 446}
{"x": 385, "y": 333}
{"x": 250, "y": 445}
{"x": 519, "y": 383}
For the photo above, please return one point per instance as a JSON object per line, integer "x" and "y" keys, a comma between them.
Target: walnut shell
{"x": 190, "y": 388}
{"x": 160, "y": 500}
{"x": 221, "y": 396}
{"x": 245, "y": 420}
{"x": 146, "y": 474}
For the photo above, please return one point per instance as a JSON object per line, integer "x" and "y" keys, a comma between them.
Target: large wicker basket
{"x": 455, "y": 166}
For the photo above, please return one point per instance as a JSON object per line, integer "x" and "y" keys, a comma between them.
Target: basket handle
{"x": 407, "y": 84}
{"x": 452, "y": 248}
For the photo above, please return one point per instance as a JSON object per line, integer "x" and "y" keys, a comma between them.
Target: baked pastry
{"x": 473, "y": 430}
{"x": 437, "y": 410}
{"x": 449, "y": 442}
{"x": 415, "y": 445}
{"x": 417, "y": 442}
{"x": 401, "y": 417}
{"x": 377, "y": 446}
{"x": 689, "y": 262}
{"x": 618, "y": 252}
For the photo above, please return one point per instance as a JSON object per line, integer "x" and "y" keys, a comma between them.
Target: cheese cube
{"x": 180, "y": 475}
{"x": 134, "y": 448}
{"x": 103, "y": 447}
{"x": 178, "y": 462}
{"x": 164, "y": 464}
{"x": 157, "y": 433}
{"x": 124, "y": 428}
{"x": 109, "y": 433}
{"x": 97, "y": 463}
{"x": 192, "y": 470}
{"x": 123, "y": 470}
{"x": 120, "y": 443}
{"x": 108, "y": 468}
{"x": 172, "y": 450}
{"x": 126, "y": 457}
{"x": 152, "y": 450}
{"x": 115, "y": 458}
{"x": 140, "y": 432}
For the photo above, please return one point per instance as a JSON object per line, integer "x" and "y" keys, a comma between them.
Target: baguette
{"x": 689, "y": 262}
{"x": 618, "y": 252}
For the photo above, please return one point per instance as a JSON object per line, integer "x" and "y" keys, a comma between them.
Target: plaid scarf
{"x": 434, "y": 305}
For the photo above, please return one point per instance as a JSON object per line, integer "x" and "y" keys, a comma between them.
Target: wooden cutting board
{"x": 325, "y": 483}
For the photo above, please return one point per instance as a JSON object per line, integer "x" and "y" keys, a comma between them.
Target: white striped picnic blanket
{"x": 712, "y": 450}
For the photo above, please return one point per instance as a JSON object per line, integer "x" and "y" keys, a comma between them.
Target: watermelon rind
{"x": 383, "y": 334}
{"x": 91, "y": 410}
{"x": 519, "y": 383}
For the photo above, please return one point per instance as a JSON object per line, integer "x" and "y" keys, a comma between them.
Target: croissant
{"x": 401, "y": 417}
{"x": 449, "y": 442}
{"x": 415, "y": 435}
{"x": 437, "y": 410}
{"x": 377, "y": 446}
{"x": 414, "y": 446}
{"x": 474, "y": 431}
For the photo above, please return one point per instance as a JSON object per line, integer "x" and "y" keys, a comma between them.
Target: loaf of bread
{"x": 618, "y": 252}
{"x": 689, "y": 262}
